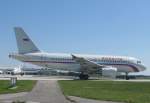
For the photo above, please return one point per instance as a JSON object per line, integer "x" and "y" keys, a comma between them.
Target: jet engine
{"x": 109, "y": 72}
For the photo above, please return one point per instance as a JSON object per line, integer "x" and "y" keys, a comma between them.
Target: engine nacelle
{"x": 1, "y": 72}
{"x": 109, "y": 72}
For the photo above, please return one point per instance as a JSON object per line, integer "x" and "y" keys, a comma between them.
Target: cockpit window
{"x": 138, "y": 62}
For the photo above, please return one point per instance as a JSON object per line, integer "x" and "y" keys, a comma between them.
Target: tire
{"x": 84, "y": 77}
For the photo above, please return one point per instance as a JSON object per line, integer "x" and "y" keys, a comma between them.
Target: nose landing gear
{"x": 127, "y": 77}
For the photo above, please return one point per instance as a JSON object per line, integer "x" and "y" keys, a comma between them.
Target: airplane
{"x": 17, "y": 70}
{"x": 84, "y": 64}
{"x": 11, "y": 70}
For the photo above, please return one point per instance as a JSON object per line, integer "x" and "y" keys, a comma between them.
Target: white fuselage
{"x": 66, "y": 62}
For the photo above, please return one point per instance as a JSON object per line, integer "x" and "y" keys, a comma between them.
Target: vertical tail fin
{"x": 24, "y": 43}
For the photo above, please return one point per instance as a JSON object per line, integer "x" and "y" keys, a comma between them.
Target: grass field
{"x": 22, "y": 86}
{"x": 129, "y": 92}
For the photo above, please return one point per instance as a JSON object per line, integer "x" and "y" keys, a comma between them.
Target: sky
{"x": 105, "y": 27}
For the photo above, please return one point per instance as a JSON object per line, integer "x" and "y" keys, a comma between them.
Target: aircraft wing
{"x": 87, "y": 66}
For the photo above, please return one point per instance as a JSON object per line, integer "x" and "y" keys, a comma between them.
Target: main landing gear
{"x": 83, "y": 76}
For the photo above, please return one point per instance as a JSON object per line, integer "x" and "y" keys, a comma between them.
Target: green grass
{"x": 129, "y": 92}
{"x": 22, "y": 86}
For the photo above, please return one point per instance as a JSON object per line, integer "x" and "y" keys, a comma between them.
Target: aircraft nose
{"x": 143, "y": 67}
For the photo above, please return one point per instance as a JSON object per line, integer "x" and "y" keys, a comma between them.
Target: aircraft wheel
{"x": 84, "y": 77}
{"x": 127, "y": 77}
